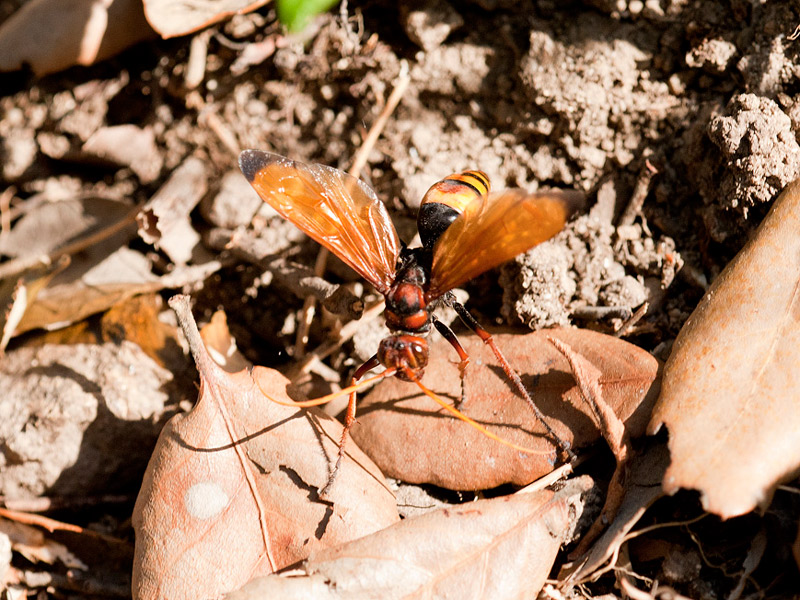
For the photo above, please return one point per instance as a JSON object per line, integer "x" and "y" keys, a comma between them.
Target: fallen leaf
{"x": 730, "y": 391}
{"x": 128, "y": 146}
{"x": 221, "y": 345}
{"x": 611, "y": 427}
{"x": 231, "y": 491}
{"x": 499, "y": 548}
{"x": 164, "y": 220}
{"x": 171, "y": 19}
{"x": 52, "y": 35}
{"x": 412, "y": 439}
{"x": 84, "y": 289}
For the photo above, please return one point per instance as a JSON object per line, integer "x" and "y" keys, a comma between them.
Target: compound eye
{"x": 420, "y": 353}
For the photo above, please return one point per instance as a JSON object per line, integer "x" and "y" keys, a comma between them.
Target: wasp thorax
{"x": 403, "y": 352}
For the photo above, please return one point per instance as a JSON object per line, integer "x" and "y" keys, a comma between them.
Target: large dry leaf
{"x": 413, "y": 439}
{"x": 51, "y": 35}
{"x": 498, "y": 548}
{"x": 170, "y": 18}
{"x": 231, "y": 491}
{"x": 731, "y": 386}
{"x": 90, "y": 285}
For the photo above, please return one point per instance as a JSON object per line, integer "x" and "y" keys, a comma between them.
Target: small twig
{"x": 628, "y": 325}
{"x": 5, "y": 205}
{"x": 206, "y": 116}
{"x": 347, "y": 331}
{"x": 47, "y": 503}
{"x": 53, "y": 525}
{"x": 546, "y": 481}
{"x": 359, "y": 162}
{"x": 640, "y": 191}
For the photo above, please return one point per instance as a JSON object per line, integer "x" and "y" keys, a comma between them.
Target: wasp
{"x": 465, "y": 230}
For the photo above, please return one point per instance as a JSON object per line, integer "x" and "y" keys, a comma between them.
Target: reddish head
{"x": 403, "y": 352}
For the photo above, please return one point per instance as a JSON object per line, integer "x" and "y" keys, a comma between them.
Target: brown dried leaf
{"x": 90, "y": 285}
{"x": 164, "y": 220}
{"x": 51, "y": 35}
{"x": 221, "y": 345}
{"x": 412, "y": 439}
{"x": 171, "y": 19}
{"x": 127, "y": 145}
{"x": 231, "y": 490}
{"x": 51, "y": 225}
{"x": 730, "y": 392}
{"x": 498, "y": 548}
{"x": 133, "y": 319}
{"x": 611, "y": 427}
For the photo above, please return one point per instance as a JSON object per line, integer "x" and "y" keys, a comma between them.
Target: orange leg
{"x": 470, "y": 322}
{"x": 451, "y": 337}
{"x": 349, "y": 420}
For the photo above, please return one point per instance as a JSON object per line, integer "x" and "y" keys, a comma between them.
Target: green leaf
{"x": 296, "y": 14}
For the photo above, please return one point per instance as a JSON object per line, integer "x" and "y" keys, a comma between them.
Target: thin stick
{"x": 627, "y": 326}
{"x": 359, "y": 162}
{"x": 5, "y": 204}
{"x": 52, "y": 525}
{"x": 640, "y": 191}
{"x": 347, "y": 331}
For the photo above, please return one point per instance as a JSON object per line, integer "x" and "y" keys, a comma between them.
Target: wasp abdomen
{"x": 446, "y": 200}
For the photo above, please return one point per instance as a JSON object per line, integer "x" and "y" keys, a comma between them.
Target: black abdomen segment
{"x": 446, "y": 200}
{"x": 433, "y": 219}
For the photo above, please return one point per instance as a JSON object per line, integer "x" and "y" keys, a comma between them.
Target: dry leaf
{"x": 611, "y": 427}
{"x": 53, "y": 224}
{"x": 498, "y": 548}
{"x": 414, "y": 440}
{"x": 87, "y": 287}
{"x": 730, "y": 391}
{"x": 51, "y": 35}
{"x": 221, "y": 345}
{"x": 164, "y": 220}
{"x": 231, "y": 490}
{"x": 129, "y": 146}
{"x": 171, "y": 19}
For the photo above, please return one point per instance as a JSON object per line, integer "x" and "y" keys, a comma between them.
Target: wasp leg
{"x": 470, "y": 322}
{"x": 349, "y": 420}
{"x": 451, "y": 337}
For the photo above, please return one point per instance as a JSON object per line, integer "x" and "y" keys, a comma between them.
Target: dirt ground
{"x": 678, "y": 119}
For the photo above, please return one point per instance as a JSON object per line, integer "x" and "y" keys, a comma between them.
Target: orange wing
{"x": 333, "y": 208}
{"x": 495, "y": 228}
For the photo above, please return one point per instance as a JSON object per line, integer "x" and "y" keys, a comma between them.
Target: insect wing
{"x": 331, "y": 207}
{"x": 494, "y": 229}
